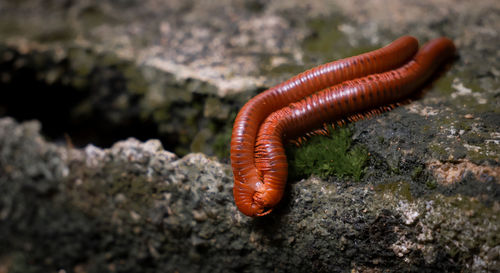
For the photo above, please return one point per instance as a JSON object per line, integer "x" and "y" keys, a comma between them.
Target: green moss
{"x": 325, "y": 35}
{"x": 469, "y": 81}
{"x": 136, "y": 83}
{"x": 327, "y": 42}
{"x": 437, "y": 150}
{"x": 431, "y": 184}
{"x": 327, "y": 156}
{"x": 462, "y": 124}
{"x": 416, "y": 172}
{"x": 443, "y": 85}
{"x": 397, "y": 189}
{"x": 222, "y": 142}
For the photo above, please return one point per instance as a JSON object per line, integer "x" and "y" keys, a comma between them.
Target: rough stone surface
{"x": 135, "y": 207}
{"x": 429, "y": 199}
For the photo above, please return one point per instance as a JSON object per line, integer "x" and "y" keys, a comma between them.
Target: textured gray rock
{"x": 428, "y": 200}
{"x": 135, "y": 207}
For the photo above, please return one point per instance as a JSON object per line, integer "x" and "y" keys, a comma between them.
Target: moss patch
{"x": 326, "y": 42}
{"x": 222, "y": 142}
{"x": 400, "y": 190}
{"x": 326, "y": 156}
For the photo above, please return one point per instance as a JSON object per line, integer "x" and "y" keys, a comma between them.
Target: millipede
{"x": 307, "y": 101}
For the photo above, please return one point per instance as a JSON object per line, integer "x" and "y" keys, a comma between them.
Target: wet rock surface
{"x": 101, "y": 71}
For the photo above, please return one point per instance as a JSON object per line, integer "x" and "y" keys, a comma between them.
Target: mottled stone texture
{"x": 137, "y": 208}
{"x": 103, "y": 71}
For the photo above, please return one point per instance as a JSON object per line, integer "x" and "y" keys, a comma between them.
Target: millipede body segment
{"x": 259, "y": 162}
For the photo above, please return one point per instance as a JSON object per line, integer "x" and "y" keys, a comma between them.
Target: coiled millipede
{"x": 307, "y": 101}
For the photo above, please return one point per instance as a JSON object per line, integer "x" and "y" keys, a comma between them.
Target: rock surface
{"x": 135, "y": 207}
{"x": 98, "y": 71}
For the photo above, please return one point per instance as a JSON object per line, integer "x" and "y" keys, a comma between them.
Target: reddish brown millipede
{"x": 259, "y": 163}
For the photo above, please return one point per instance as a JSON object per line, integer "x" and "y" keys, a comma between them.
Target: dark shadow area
{"x": 24, "y": 99}
{"x": 73, "y": 115}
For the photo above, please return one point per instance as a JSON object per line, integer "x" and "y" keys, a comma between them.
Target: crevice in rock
{"x": 87, "y": 98}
